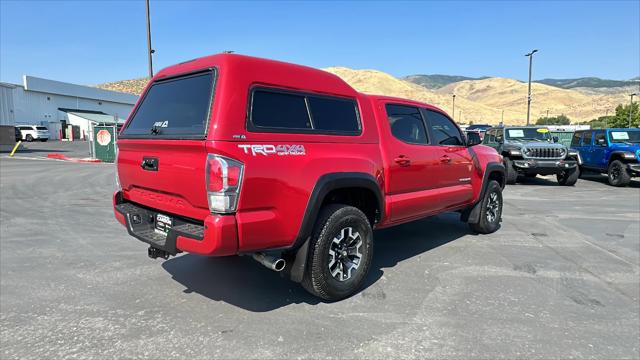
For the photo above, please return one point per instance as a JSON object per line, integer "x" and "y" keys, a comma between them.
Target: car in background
{"x": 481, "y": 129}
{"x": 33, "y": 132}
{"x": 615, "y": 152}
{"x": 529, "y": 151}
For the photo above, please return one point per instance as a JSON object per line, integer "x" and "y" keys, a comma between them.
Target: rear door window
{"x": 174, "y": 108}
{"x": 407, "y": 124}
{"x": 41, "y": 128}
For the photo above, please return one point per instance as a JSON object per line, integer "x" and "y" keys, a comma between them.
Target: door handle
{"x": 445, "y": 159}
{"x": 402, "y": 160}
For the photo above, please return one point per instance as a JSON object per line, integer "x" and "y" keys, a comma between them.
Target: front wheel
{"x": 340, "y": 253}
{"x": 617, "y": 174}
{"x": 490, "y": 210}
{"x": 568, "y": 177}
{"x": 511, "y": 173}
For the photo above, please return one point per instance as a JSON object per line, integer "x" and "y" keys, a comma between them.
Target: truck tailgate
{"x": 171, "y": 181}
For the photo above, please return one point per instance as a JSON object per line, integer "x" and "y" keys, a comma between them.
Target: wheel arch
{"x": 494, "y": 171}
{"x": 346, "y": 188}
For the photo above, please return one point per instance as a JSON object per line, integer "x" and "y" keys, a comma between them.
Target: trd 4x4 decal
{"x": 281, "y": 150}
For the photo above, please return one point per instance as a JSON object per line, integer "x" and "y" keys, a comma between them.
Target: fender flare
{"x": 620, "y": 154}
{"x": 325, "y": 184}
{"x": 472, "y": 213}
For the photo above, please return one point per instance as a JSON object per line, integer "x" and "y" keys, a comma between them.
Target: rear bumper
{"x": 544, "y": 167}
{"x": 216, "y": 236}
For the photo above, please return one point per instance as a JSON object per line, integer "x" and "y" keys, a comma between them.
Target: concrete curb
{"x": 78, "y": 160}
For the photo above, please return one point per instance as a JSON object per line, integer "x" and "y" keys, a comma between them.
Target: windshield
{"x": 173, "y": 108}
{"x": 529, "y": 134}
{"x": 627, "y": 136}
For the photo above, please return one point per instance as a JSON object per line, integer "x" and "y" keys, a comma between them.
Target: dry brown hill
{"x": 377, "y": 82}
{"x": 134, "y": 86}
{"x": 478, "y": 101}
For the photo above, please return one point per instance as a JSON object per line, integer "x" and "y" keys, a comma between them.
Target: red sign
{"x": 103, "y": 137}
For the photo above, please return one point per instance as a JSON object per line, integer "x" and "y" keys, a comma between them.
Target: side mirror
{"x": 473, "y": 138}
{"x": 555, "y": 139}
{"x": 601, "y": 142}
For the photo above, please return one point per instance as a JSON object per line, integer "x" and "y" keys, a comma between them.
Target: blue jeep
{"x": 615, "y": 152}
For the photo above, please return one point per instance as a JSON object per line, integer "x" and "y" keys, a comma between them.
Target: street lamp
{"x": 631, "y": 107}
{"x": 149, "y": 49}
{"x": 530, "y": 55}
{"x": 453, "y": 113}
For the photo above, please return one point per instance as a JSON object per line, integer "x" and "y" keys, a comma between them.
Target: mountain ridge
{"x": 488, "y": 100}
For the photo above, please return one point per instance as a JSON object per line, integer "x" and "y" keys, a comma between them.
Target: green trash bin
{"x": 104, "y": 143}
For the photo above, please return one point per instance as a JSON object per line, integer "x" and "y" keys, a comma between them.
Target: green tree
{"x": 621, "y": 118}
{"x": 601, "y": 122}
{"x": 555, "y": 120}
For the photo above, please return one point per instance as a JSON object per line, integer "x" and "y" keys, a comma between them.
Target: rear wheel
{"x": 490, "y": 211}
{"x": 340, "y": 253}
{"x": 568, "y": 177}
{"x": 617, "y": 174}
{"x": 29, "y": 137}
{"x": 511, "y": 173}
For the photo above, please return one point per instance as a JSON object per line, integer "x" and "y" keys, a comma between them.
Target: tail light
{"x": 118, "y": 186}
{"x": 223, "y": 180}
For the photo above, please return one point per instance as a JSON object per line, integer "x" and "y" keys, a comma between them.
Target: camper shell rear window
{"x": 174, "y": 108}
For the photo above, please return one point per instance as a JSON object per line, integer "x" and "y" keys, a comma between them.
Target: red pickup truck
{"x": 236, "y": 155}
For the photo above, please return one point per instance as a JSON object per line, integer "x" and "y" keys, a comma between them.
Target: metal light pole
{"x": 631, "y": 107}
{"x": 547, "y": 113}
{"x": 530, "y": 55}
{"x": 149, "y": 49}
{"x": 502, "y": 118}
{"x": 453, "y": 112}
{"x": 606, "y": 119}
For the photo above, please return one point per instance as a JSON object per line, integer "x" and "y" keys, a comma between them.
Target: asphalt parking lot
{"x": 560, "y": 279}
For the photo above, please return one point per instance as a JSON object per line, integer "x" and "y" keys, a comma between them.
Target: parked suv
{"x": 615, "y": 152}
{"x": 529, "y": 151}
{"x": 235, "y": 155}
{"x": 33, "y": 132}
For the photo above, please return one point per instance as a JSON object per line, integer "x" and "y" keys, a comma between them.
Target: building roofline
{"x": 32, "y": 83}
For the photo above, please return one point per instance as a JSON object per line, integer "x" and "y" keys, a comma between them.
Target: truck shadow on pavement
{"x": 242, "y": 282}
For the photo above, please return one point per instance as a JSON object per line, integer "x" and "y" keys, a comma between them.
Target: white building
{"x": 53, "y": 103}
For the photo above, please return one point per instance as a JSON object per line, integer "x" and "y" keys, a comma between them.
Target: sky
{"x": 92, "y": 42}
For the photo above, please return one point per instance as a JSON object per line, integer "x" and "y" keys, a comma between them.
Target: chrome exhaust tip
{"x": 270, "y": 262}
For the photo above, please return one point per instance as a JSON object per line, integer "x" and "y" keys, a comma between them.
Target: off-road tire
{"x": 510, "y": 172}
{"x": 29, "y": 138}
{"x": 623, "y": 177}
{"x": 484, "y": 226}
{"x": 569, "y": 177}
{"x": 317, "y": 279}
